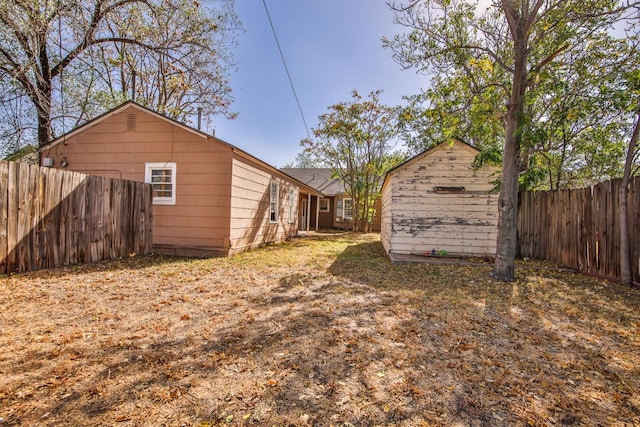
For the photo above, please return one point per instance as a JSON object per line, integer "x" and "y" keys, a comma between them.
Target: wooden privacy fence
{"x": 51, "y": 217}
{"x": 580, "y": 228}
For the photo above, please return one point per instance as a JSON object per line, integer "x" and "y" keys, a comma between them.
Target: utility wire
{"x": 293, "y": 89}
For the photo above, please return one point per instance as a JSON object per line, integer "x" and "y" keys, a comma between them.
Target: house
{"x": 209, "y": 197}
{"x": 334, "y": 209}
{"x": 437, "y": 202}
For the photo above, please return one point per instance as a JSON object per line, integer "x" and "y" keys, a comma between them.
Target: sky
{"x": 331, "y": 47}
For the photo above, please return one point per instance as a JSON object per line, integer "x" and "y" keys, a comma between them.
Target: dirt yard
{"x": 318, "y": 331}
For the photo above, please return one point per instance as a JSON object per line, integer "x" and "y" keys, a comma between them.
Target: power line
{"x": 293, "y": 89}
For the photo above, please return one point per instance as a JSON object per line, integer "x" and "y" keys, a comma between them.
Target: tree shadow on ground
{"x": 363, "y": 343}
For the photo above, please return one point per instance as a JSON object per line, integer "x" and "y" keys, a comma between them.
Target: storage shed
{"x": 437, "y": 203}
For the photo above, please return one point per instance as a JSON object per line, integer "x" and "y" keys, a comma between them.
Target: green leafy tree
{"x": 304, "y": 159}
{"x": 463, "y": 104}
{"x": 356, "y": 140}
{"x": 523, "y": 38}
{"x": 577, "y": 129}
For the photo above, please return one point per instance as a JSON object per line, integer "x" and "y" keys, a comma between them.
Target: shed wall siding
{"x": 386, "y": 218}
{"x": 250, "y": 207}
{"x": 199, "y": 221}
{"x": 417, "y": 219}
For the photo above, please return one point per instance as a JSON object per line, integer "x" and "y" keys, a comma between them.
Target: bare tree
{"x": 41, "y": 43}
{"x": 188, "y": 70}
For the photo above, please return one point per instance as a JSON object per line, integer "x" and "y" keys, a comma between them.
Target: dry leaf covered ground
{"x": 317, "y": 331}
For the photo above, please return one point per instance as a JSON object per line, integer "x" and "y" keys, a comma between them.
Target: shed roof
{"x": 319, "y": 178}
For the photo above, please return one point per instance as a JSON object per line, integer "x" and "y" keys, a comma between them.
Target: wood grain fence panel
{"x": 634, "y": 224}
{"x": 114, "y": 192}
{"x": 580, "y": 227}
{"x": 146, "y": 216}
{"x": 106, "y": 234}
{"x": 50, "y": 218}
{"x": 4, "y": 214}
{"x": 607, "y": 244}
{"x": 116, "y": 230}
{"x": 12, "y": 215}
{"x": 130, "y": 215}
{"x": 74, "y": 185}
{"x": 126, "y": 238}
{"x": 24, "y": 256}
{"x": 613, "y": 229}
{"x": 84, "y": 229}
{"x": 546, "y": 246}
{"x": 587, "y": 241}
{"x": 56, "y": 221}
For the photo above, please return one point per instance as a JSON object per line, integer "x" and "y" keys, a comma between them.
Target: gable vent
{"x": 132, "y": 121}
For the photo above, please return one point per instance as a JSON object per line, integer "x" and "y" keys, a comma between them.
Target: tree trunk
{"x": 625, "y": 250}
{"x": 43, "y": 108}
{"x": 506, "y": 244}
{"x": 504, "y": 268}
{"x": 44, "y": 128}
{"x": 42, "y": 97}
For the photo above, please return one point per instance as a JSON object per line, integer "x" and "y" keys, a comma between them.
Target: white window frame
{"x": 273, "y": 201}
{"x": 344, "y": 208}
{"x": 148, "y": 171}
{"x": 292, "y": 206}
{"x": 325, "y": 208}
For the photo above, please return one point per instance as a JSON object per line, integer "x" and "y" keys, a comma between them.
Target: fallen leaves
{"x": 320, "y": 330}
{"x": 122, "y": 418}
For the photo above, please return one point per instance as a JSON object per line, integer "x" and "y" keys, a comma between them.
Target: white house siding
{"x": 386, "y": 220}
{"x": 417, "y": 218}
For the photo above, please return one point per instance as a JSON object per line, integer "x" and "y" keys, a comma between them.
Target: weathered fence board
{"x": 580, "y": 228}
{"x": 51, "y": 217}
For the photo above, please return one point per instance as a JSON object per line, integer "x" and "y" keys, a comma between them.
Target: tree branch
{"x": 546, "y": 61}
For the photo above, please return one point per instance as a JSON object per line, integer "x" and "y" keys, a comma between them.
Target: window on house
{"x": 324, "y": 205}
{"x": 347, "y": 209}
{"x": 292, "y": 206}
{"x": 273, "y": 205}
{"x": 162, "y": 177}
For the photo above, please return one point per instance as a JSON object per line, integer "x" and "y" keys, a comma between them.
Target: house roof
{"x": 454, "y": 141}
{"x": 319, "y": 178}
{"x": 206, "y": 137}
